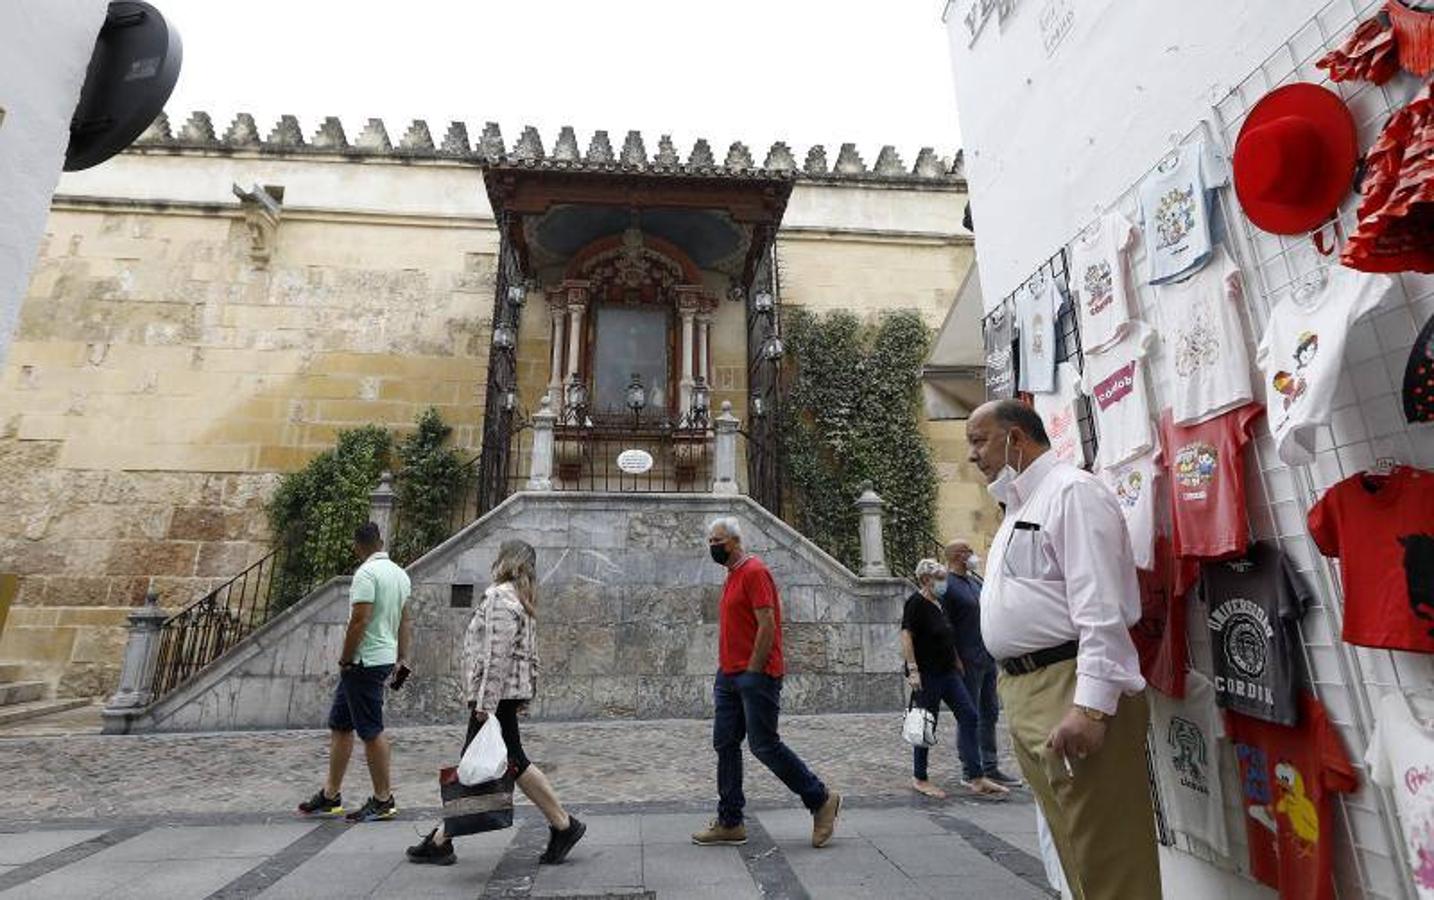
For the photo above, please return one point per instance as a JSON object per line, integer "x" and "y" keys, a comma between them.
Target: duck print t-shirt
{"x": 1099, "y": 287}
{"x": 1401, "y": 758}
{"x": 1175, "y": 204}
{"x": 1289, "y": 776}
{"x": 1302, "y": 354}
{"x": 1116, "y": 386}
{"x": 1207, "y": 363}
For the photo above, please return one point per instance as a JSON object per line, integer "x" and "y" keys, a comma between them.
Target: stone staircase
{"x": 21, "y": 699}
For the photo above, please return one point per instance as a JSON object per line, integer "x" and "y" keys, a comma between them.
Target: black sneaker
{"x": 560, "y": 843}
{"x": 427, "y": 852}
{"x": 322, "y": 805}
{"x": 374, "y": 810}
{"x": 1003, "y": 779}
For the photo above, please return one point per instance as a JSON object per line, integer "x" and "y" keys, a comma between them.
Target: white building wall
{"x": 45, "y": 47}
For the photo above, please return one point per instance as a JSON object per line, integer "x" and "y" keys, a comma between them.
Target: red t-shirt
{"x": 1159, "y": 636}
{"x": 1382, "y": 530}
{"x": 749, "y": 587}
{"x": 1206, "y": 463}
{"x": 1287, "y": 775}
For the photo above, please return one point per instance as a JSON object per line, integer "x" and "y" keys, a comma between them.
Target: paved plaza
{"x": 197, "y": 816}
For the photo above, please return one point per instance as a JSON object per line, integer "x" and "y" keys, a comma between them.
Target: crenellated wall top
{"x": 286, "y": 138}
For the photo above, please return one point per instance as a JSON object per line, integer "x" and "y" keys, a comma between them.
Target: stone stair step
{"x": 15, "y": 692}
{"x": 11, "y": 672}
{"x": 19, "y": 712}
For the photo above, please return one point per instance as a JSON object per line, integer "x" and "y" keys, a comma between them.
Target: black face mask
{"x": 720, "y": 553}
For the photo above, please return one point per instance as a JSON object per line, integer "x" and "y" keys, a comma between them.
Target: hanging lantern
{"x": 701, "y": 397}
{"x": 517, "y": 293}
{"x": 636, "y": 394}
{"x": 577, "y": 393}
{"x": 774, "y": 349}
{"x": 759, "y": 409}
{"x": 763, "y": 302}
{"x": 503, "y": 336}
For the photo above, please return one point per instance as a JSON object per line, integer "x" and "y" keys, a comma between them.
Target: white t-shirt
{"x": 1133, "y": 483}
{"x": 1036, "y": 306}
{"x": 1187, "y": 762}
{"x": 1207, "y": 364}
{"x": 1099, "y": 283}
{"x": 1401, "y": 758}
{"x": 1302, "y": 354}
{"x": 1116, "y": 385}
{"x": 1059, "y": 413}
{"x": 1175, "y": 204}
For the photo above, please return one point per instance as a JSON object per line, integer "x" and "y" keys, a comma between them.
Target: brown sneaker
{"x": 718, "y": 835}
{"x": 824, "y": 819}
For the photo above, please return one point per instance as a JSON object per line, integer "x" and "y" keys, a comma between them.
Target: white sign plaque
{"x": 634, "y": 462}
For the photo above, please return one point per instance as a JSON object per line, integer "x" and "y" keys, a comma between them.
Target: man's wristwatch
{"x": 1094, "y": 715}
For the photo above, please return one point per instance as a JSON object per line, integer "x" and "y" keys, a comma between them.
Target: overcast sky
{"x": 803, "y": 71}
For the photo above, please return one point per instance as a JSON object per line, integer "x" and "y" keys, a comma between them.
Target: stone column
{"x": 704, "y": 327}
{"x": 575, "y": 335}
{"x": 557, "y": 312}
{"x": 724, "y": 455}
{"x": 873, "y": 551}
{"x": 540, "y": 474}
{"x": 141, "y": 652}
{"x": 381, "y": 501}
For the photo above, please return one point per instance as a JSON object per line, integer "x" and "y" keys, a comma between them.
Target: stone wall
{"x": 627, "y": 623}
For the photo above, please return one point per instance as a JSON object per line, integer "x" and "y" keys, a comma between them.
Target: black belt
{"x": 1024, "y": 665}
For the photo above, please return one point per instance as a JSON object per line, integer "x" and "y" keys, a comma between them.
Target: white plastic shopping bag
{"x": 919, "y": 727}
{"x": 486, "y": 758}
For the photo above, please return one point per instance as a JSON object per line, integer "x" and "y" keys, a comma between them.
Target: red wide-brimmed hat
{"x": 1294, "y": 159}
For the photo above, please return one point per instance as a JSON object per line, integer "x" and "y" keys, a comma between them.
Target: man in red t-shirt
{"x": 748, "y": 694}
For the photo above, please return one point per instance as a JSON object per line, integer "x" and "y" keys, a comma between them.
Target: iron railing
{"x": 200, "y": 633}
{"x": 586, "y": 451}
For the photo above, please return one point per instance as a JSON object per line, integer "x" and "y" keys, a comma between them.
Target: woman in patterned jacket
{"x": 500, "y": 663}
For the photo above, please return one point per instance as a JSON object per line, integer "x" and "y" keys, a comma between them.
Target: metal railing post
{"x": 136, "y": 683}
{"x": 724, "y": 464}
{"x": 540, "y": 474}
{"x": 873, "y": 551}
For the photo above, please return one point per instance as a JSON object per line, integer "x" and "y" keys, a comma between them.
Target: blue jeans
{"x": 950, "y": 688}
{"x": 980, "y": 681}
{"x": 747, "y": 705}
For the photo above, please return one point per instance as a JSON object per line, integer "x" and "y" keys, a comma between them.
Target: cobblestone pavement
{"x": 211, "y": 815}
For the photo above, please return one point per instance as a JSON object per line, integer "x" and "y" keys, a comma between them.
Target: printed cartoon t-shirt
{"x": 1116, "y": 386}
{"x": 1206, "y": 466}
{"x": 1382, "y": 530}
{"x": 1036, "y": 307}
{"x": 1187, "y": 763}
{"x": 1099, "y": 285}
{"x": 1302, "y": 353}
{"x": 1175, "y": 204}
{"x": 1288, "y": 776}
{"x": 1253, "y": 606}
{"x": 1133, "y": 483}
{"x": 1207, "y": 364}
{"x": 1059, "y": 413}
{"x": 1401, "y": 758}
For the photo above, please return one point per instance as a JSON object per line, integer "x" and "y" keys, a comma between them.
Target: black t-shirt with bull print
{"x": 1253, "y": 605}
{"x": 1382, "y": 529}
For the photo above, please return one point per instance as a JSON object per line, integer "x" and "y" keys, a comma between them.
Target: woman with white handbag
{"x": 928, "y": 644}
{"x": 501, "y": 663}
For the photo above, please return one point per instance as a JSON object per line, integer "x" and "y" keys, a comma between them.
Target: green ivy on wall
{"x": 430, "y": 477}
{"x": 853, "y": 415}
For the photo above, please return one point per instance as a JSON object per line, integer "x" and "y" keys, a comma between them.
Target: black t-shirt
{"x": 1254, "y": 606}
{"x": 931, "y": 635}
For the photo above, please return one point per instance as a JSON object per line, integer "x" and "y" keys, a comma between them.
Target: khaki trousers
{"x": 1101, "y": 816}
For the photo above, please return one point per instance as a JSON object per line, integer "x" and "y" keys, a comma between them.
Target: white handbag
{"x": 919, "y": 727}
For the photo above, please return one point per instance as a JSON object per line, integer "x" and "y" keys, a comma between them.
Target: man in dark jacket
{"x": 962, "y": 602}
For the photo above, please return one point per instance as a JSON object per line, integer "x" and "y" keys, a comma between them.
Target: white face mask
{"x": 938, "y": 587}
{"x": 1000, "y": 488}
{"x": 973, "y": 561}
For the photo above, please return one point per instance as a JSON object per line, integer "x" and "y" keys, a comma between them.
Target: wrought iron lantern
{"x": 517, "y": 293}
{"x": 503, "y": 336}
{"x": 636, "y": 395}
{"x": 510, "y": 400}
{"x": 577, "y": 397}
{"x": 759, "y": 408}
{"x": 762, "y": 302}
{"x": 701, "y": 399}
{"x": 774, "y": 348}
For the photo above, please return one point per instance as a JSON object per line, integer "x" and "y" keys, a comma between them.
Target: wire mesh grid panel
{"x": 1366, "y": 427}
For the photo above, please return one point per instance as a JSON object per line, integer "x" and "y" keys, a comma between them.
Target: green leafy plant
{"x": 315, "y": 510}
{"x": 853, "y": 415}
{"x": 430, "y": 478}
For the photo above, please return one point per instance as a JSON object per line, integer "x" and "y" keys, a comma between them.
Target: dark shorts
{"x": 358, "y": 701}
{"x": 507, "y": 716}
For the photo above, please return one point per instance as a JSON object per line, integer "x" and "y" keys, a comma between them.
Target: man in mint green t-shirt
{"x": 375, "y": 644}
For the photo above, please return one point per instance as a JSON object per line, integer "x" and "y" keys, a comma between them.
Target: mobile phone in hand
{"x": 400, "y": 675}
